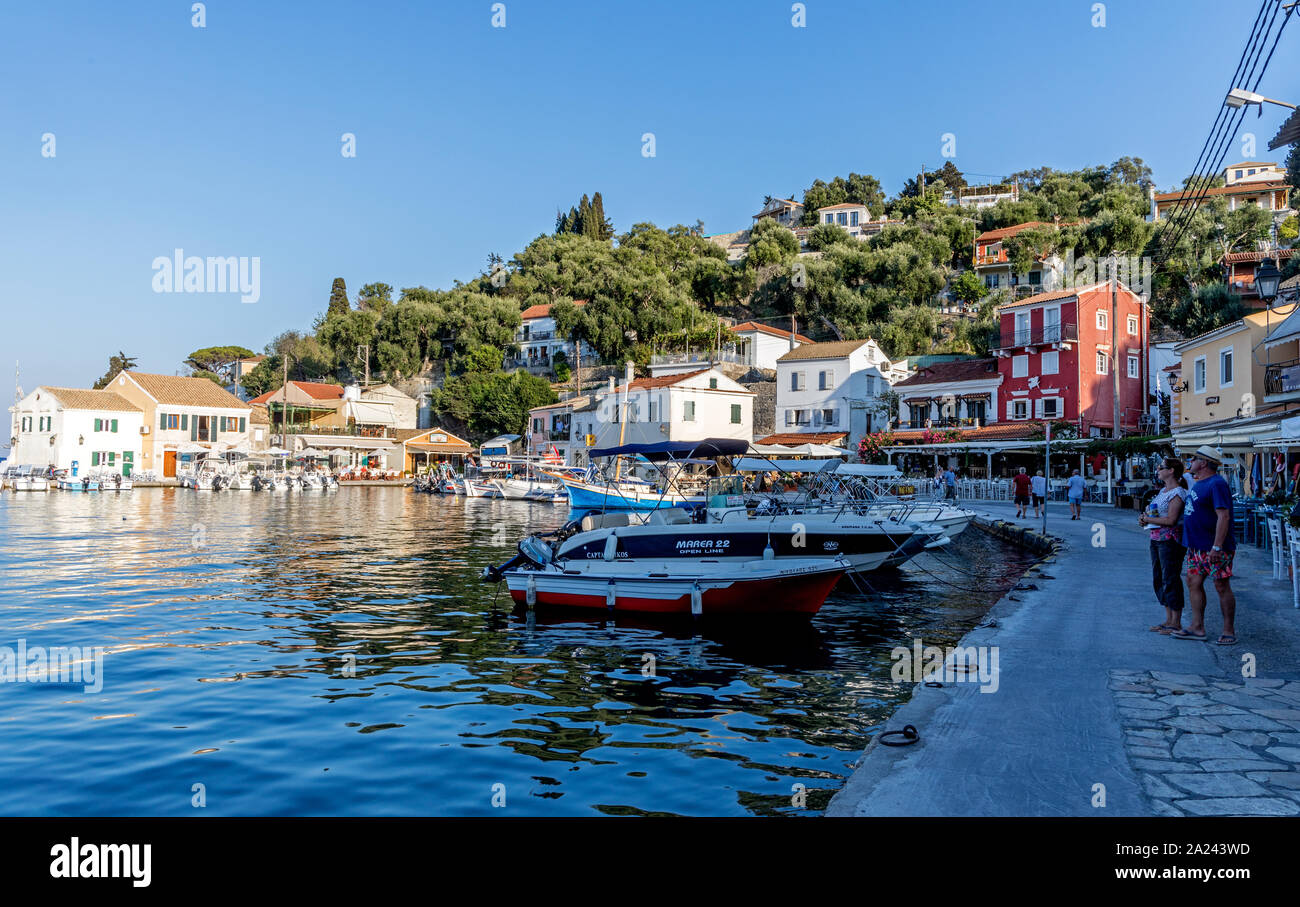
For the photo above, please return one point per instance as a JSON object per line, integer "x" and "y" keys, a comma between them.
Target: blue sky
{"x": 225, "y": 140}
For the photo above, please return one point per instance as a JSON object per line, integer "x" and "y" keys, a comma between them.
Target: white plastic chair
{"x": 1293, "y": 551}
{"x": 1276, "y": 543}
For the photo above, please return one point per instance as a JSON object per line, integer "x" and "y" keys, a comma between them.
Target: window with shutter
{"x": 242, "y": 423}
{"x": 185, "y": 422}
{"x": 94, "y": 458}
{"x": 99, "y": 425}
{"x": 114, "y": 424}
{"x": 162, "y": 421}
{"x": 735, "y": 414}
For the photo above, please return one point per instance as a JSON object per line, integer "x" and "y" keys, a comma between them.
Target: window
{"x": 1049, "y": 408}
{"x": 1050, "y": 363}
{"x": 830, "y": 218}
{"x": 789, "y": 417}
{"x": 185, "y": 421}
{"x": 853, "y": 218}
{"x": 1237, "y": 175}
{"x": 654, "y": 411}
{"x": 1020, "y": 409}
{"x": 112, "y": 457}
{"x": 688, "y": 410}
{"x": 713, "y": 384}
{"x": 1019, "y": 366}
{"x": 1102, "y": 321}
{"x": 1225, "y": 367}
{"x": 243, "y": 423}
{"x": 1036, "y": 278}
{"x": 735, "y": 414}
{"x": 825, "y": 380}
{"x": 1133, "y": 325}
{"x": 917, "y": 414}
{"x": 828, "y": 417}
{"x": 798, "y": 381}
{"x": 975, "y": 409}
{"x": 1103, "y": 363}
{"x": 1022, "y": 328}
{"x": 1134, "y": 367}
{"x": 1052, "y": 325}
{"x": 1198, "y": 375}
{"x": 842, "y": 219}
{"x": 802, "y": 417}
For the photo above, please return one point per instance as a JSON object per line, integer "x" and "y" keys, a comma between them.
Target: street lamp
{"x": 1267, "y": 277}
{"x": 1240, "y": 97}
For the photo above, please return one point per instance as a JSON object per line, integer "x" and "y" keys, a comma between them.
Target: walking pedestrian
{"x": 1207, "y": 535}
{"x": 1020, "y": 491}
{"x": 950, "y": 480}
{"x": 1038, "y": 487}
{"x": 1074, "y": 492}
{"x": 1164, "y": 516}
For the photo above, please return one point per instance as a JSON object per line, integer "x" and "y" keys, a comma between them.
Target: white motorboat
{"x": 699, "y": 587}
{"x": 30, "y": 478}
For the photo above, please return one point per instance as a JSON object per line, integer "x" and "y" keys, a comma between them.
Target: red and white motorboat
{"x": 700, "y": 587}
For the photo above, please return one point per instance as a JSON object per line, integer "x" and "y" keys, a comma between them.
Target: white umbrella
{"x": 277, "y": 452}
{"x": 243, "y": 447}
{"x": 340, "y": 452}
{"x": 309, "y": 453}
{"x": 191, "y": 449}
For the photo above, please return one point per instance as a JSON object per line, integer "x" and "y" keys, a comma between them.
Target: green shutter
{"x": 99, "y": 425}
{"x": 194, "y": 427}
{"x": 112, "y": 456}
{"x": 735, "y": 414}
{"x": 185, "y": 421}
{"x": 243, "y": 424}
{"x": 212, "y": 421}
{"x": 162, "y": 421}
{"x": 94, "y": 458}
{"x": 114, "y": 425}
{"x": 128, "y": 456}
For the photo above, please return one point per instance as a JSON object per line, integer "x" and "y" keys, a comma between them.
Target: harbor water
{"x": 336, "y": 654}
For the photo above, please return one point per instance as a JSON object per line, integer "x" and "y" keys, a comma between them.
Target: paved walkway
{"x": 1095, "y": 715}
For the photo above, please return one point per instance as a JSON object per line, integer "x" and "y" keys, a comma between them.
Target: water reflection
{"x": 337, "y": 655}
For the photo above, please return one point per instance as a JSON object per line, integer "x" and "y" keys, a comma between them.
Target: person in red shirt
{"x": 1021, "y": 485}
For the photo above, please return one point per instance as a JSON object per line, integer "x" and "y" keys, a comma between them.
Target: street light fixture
{"x": 1267, "y": 277}
{"x": 1240, "y": 97}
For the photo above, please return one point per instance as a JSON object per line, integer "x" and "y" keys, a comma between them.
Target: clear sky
{"x": 226, "y": 140}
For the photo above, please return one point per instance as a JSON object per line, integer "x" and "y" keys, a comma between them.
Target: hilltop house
{"x": 1239, "y": 273}
{"x": 785, "y": 211}
{"x": 78, "y": 430}
{"x": 182, "y": 416}
{"x": 1246, "y": 183}
{"x": 993, "y": 264}
{"x": 538, "y": 341}
{"x": 756, "y": 346}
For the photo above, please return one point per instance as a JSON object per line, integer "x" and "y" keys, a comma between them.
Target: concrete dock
{"x": 1094, "y": 714}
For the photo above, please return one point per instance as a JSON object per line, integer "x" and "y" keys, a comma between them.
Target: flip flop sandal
{"x": 1183, "y": 634}
{"x": 1227, "y": 639}
{"x": 1161, "y": 628}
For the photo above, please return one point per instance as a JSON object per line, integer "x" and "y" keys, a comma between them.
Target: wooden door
{"x": 169, "y": 463}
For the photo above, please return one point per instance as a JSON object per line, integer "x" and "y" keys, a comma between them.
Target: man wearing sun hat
{"x": 1207, "y": 535}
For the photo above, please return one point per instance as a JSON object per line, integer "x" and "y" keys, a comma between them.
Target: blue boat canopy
{"x": 666, "y": 450}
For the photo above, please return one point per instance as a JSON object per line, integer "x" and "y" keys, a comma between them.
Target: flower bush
{"x": 871, "y": 449}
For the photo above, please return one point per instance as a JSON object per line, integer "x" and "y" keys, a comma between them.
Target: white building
{"x": 538, "y": 341}
{"x": 561, "y": 428}
{"x": 180, "y": 412}
{"x": 755, "y": 345}
{"x": 832, "y": 387}
{"x": 959, "y": 394}
{"x": 75, "y": 429}
{"x": 785, "y": 211}
{"x": 686, "y": 407}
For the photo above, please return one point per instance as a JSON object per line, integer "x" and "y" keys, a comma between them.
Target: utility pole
{"x": 1047, "y": 474}
{"x": 1114, "y": 345}
{"x": 284, "y": 402}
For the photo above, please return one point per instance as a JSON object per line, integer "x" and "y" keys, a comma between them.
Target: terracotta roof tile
{"x": 314, "y": 389}
{"x": 837, "y": 349}
{"x": 775, "y": 332}
{"x": 77, "y": 398}
{"x": 542, "y": 311}
{"x": 180, "y": 391}
{"x": 947, "y": 372}
{"x": 1244, "y": 188}
{"x": 664, "y": 380}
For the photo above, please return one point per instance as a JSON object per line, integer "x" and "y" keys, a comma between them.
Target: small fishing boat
{"x": 704, "y": 587}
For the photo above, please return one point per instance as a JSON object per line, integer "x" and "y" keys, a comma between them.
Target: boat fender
{"x": 610, "y": 596}
{"x": 611, "y": 545}
{"x": 697, "y": 600}
{"x": 530, "y": 592}
{"x": 768, "y": 553}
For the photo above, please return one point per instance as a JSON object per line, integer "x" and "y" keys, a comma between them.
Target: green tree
{"x": 218, "y": 360}
{"x": 823, "y": 236}
{"x": 375, "y": 297}
{"x": 119, "y": 363}
{"x": 338, "y": 303}
{"x": 858, "y": 188}
{"x": 968, "y": 288}
{"x": 770, "y": 244}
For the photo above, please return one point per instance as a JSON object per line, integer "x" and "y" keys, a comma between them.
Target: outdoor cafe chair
{"x": 1276, "y": 541}
{"x": 1293, "y": 552}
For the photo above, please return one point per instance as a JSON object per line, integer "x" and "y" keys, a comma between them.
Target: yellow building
{"x": 1223, "y": 372}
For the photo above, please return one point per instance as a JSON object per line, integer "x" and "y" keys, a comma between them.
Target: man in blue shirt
{"x": 950, "y": 479}
{"x": 1207, "y": 535}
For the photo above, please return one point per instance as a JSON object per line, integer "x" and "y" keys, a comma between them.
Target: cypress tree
{"x": 338, "y": 299}
{"x": 603, "y": 228}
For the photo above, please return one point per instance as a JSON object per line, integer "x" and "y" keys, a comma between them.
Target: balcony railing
{"x": 352, "y": 431}
{"x": 1052, "y": 333}
{"x": 697, "y": 356}
{"x": 1282, "y": 377}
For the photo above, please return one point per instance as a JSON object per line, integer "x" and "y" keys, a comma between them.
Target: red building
{"x": 1055, "y": 359}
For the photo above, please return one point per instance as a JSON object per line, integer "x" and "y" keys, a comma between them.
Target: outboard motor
{"x": 532, "y": 550}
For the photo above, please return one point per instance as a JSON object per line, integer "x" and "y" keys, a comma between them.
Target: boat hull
{"x": 794, "y": 593}
{"x": 584, "y": 496}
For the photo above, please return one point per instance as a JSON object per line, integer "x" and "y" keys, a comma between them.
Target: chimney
{"x": 628, "y": 372}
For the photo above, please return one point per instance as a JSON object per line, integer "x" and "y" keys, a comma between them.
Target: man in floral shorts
{"x": 1207, "y": 535}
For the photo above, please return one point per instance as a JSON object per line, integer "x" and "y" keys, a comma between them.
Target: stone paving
{"x": 1094, "y": 714}
{"x": 1206, "y": 746}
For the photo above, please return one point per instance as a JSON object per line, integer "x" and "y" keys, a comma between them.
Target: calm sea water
{"x": 231, "y": 622}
